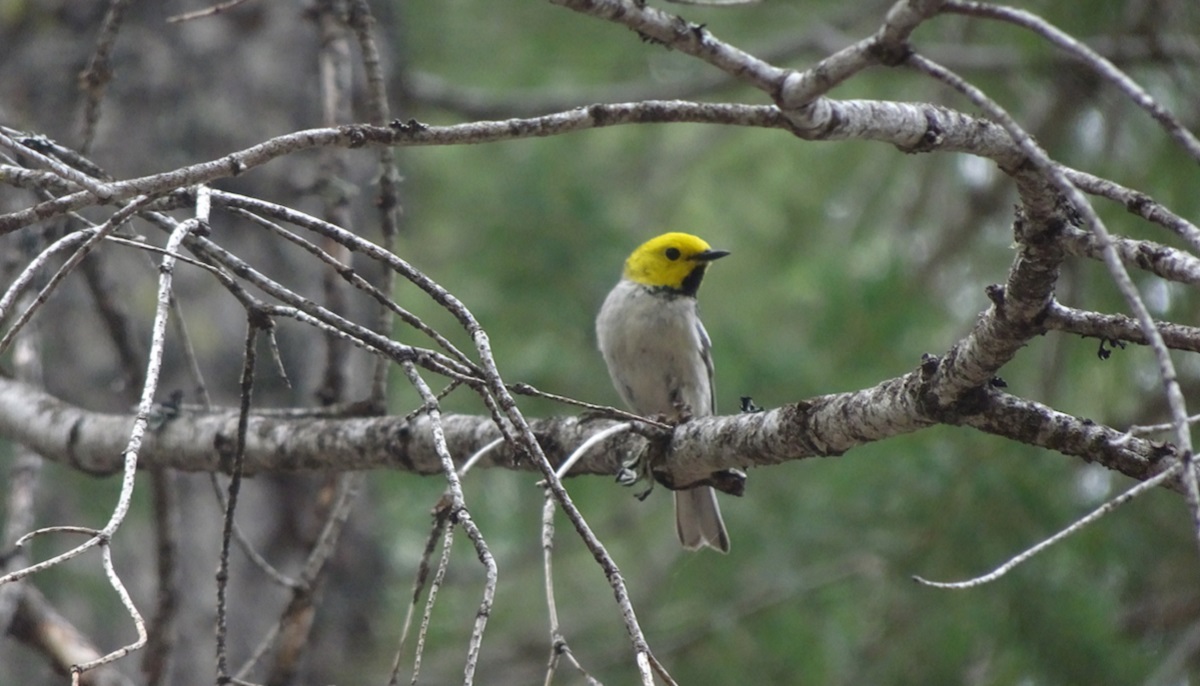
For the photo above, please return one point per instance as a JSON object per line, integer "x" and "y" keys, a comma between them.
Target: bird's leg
{"x": 683, "y": 411}
{"x": 633, "y": 470}
{"x": 638, "y": 467}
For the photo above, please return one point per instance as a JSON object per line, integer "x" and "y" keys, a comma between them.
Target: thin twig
{"x": 603, "y": 410}
{"x": 479, "y": 455}
{"x": 438, "y": 528}
{"x": 266, "y": 643}
{"x": 1138, "y": 203}
{"x": 103, "y": 538}
{"x": 1097, "y": 62}
{"x": 388, "y": 203}
{"x": 247, "y": 548}
{"x": 145, "y": 406}
{"x": 115, "y": 581}
{"x": 579, "y": 119}
{"x": 429, "y": 359}
{"x": 89, "y": 240}
{"x": 210, "y": 11}
{"x": 249, "y": 353}
{"x": 558, "y": 643}
{"x": 1075, "y": 526}
{"x": 22, "y": 282}
{"x": 460, "y": 517}
{"x": 438, "y": 578}
{"x": 94, "y": 79}
{"x": 114, "y": 315}
{"x": 523, "y": 436}
{"x": 349, "y": 275}
{"x": 694, "y": 39}
{"x": 91, "y": 185}
{"x": 1154, "y": 428}
{"x": 141, "y": 245}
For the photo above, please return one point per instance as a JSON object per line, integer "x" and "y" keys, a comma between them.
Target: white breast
{"x": 656, "y": 351}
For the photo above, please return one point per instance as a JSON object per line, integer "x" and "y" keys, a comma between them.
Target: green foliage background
{"x": 850, "y": 260}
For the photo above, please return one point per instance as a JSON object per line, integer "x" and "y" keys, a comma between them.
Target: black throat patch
{"x": 691, "y": 282}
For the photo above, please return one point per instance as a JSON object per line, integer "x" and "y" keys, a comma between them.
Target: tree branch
{"x": 823, "y": 426}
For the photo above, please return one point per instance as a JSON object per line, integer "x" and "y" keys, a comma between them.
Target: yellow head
{"x": 675, "y": 261}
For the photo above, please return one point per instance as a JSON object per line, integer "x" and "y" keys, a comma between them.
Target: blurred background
{"x": 850, "y": 260}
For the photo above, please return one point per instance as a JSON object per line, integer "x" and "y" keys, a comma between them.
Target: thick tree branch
{"x": 1032, "y": 423}
{"x": 823, "y": 426}
{"x": 1005, "y": 328}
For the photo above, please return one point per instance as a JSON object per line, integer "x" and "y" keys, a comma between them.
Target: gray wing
{"x": 706, "y": 354}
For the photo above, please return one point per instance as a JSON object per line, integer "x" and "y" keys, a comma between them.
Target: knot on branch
{"x": 259, "y": 318}
{"x": 1148, "y": 255}
{"x": 929, "y": 365}
{"x": 968, "y": 402}
{"x": 889, "y": 53}
{"x": 808, "y": 117}
{"x": 354, "y": 134}
{"x": 972, "y": 402}
{"x": 803, "y": 428}
{"x": 410, "y": 126}
{"x": 931, "y": 139}
{"x": 1040, "y": 234}
{"x": 995, "y": 293}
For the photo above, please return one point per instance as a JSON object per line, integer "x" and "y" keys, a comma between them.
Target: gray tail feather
{"x": 698, "y": 520}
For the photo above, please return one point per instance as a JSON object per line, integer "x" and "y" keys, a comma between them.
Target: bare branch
{"x": 1075, "y": 526}
{"x": 1137, "y": 203}
{"x": 249, "y": 357}
{"x": 40, "y": 626}
{"x": 438, "y": 529}
{"x": 822, "y": 426}
{"x": 1158, "y": 259}
{"x": 1117, "y": 327}
{"x": 1089, "y": 57}
{"x": 94, "y": 79}
{"x": 1057, "y": 178}
{"x": 679, "y": 34}
{"x": 459, "y": 516}
{"x": 210, "y": 11}
{"x": 127, "y": 602}
{"x": 134, "y": 436}
{"x": 66, "y": 171}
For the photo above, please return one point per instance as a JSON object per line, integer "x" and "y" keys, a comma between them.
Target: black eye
{"x": 672, "y": 254}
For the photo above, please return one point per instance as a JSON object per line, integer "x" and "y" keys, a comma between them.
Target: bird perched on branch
{"x": 660, "y": 357}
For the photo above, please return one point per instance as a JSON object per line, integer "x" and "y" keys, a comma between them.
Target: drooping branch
{"x": 912, "y": 127}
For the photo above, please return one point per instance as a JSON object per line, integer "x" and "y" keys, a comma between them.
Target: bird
{"x": 660, "y": 357}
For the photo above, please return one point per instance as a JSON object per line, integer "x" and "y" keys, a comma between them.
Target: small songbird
{"x": 660, "y": 358}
